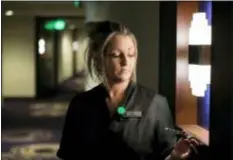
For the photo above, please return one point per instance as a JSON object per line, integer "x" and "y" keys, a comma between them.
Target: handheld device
{"x": 180, "y": 134}
{"x": 174, "y": 131}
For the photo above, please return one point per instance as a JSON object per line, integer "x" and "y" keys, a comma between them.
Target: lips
{"x": 124, "y": 70}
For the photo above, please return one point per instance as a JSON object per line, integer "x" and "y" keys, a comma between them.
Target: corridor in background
{"x": 42, "y": 70}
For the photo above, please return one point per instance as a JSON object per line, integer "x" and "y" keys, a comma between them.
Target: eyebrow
{"x": 130, "y": 48}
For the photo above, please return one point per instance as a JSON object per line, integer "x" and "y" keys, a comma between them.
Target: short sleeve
{"x": 164, "y": 141}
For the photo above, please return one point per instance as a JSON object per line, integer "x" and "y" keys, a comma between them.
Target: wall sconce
{"x": 75, "y": 46}
{"x": 199, "y": 69}
{"x": 41, "y": 46}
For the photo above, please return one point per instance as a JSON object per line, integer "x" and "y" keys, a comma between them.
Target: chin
{"x": 123, "y": 78}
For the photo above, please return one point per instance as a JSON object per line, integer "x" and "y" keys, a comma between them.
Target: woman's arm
{"x": 166, "y": 145}
{"x": 67, "y": 142}
{"x": 164, "y": 141}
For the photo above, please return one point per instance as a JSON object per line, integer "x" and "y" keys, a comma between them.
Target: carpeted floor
{"x": 37, "y": 144}
{"x": 31, "y": 130}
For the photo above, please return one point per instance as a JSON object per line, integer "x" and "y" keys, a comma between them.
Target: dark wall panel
{"x": 221, "y": 113}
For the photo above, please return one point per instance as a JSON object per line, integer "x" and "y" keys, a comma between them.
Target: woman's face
{"x": 120, "y": 58}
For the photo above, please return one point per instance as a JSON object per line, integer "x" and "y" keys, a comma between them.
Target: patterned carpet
{"x": 32, "y": 131}
{"x": 25, "y": 144}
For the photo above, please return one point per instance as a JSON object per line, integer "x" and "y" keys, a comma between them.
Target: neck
{"x": 117, "y": 88}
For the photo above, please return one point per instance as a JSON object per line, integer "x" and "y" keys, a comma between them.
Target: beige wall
{"x": 80, "y": 54}
{"x": 18, "y": 58}
{"x": 65, "y": 62}
{"x": 143, "y": 19}
{"x": 18, "y": 40}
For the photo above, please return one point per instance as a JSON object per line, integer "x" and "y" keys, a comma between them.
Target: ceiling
{"x": 41, "y": 8}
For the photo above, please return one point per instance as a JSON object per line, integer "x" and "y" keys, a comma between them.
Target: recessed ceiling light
{"x": 9, "y": 13}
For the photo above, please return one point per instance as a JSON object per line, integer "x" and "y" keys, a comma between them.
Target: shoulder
{"x": 148, "y": 97}
{"x": 84, "y": 98}
{"x": 158, "y": 102}
{"x": 81, "y": 97}
{"x": 143, "y": 90}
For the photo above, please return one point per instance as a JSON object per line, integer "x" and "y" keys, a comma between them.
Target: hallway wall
{"x": 143, "y": 19}
{"x": 18, "y": 60}
{"x": 18, "y": 42}
{"x": 65, "y": 60}
{"x": 80, "y": 54}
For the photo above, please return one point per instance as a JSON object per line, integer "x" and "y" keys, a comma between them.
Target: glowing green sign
{"x": 76, "y": 3}
{"x": 55, "y": 25}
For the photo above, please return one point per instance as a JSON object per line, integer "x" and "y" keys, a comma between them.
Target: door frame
{"x": 38, "y": 21}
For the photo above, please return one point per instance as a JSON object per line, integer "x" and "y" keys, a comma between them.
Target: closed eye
{"x": 114, "y": 54}
{"x": 131, "y": 55}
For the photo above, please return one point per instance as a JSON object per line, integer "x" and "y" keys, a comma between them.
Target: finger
{"x": 195, "y": 142}
{"x": 184, "y": 133}
{"x": 189, "y": 142}
{"x": 193, "y": 148}
{"x": 186, "y": 155}
{"x": 182, "y": 147}
{"x": 192, "y": 144}
{"x": 184, "y": 141}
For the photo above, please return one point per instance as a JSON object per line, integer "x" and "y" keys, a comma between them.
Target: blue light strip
{"x": 204, "y": 102}
{"x": 204, "y": 109}
{"x": 206, "y": 6}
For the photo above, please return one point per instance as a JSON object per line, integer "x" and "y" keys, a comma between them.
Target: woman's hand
{"x": 184, "y": 146}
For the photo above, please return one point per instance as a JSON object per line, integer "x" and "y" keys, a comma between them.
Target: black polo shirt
{"x": 90, "y": 133}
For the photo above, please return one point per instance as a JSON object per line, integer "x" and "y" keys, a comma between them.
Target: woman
{"x": 118, "y": 119}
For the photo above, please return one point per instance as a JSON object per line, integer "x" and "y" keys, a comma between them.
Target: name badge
{"x": 133, "y": 114}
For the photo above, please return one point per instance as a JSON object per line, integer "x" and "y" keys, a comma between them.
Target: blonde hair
{"x": 100, "y": 34}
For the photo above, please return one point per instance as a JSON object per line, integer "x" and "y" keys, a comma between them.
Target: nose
{"x": 124, "y": 60}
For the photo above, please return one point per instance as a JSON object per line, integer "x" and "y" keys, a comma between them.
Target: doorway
{"x": 53, "y": 52}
